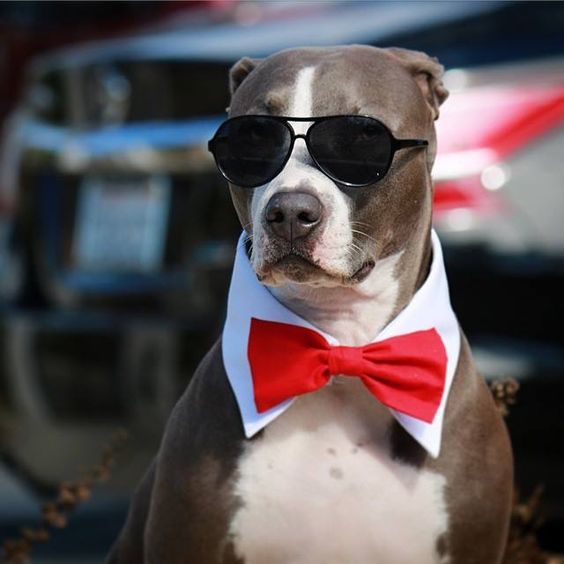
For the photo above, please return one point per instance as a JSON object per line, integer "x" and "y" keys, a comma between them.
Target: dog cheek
{"x": 257, "y": 204}
{"x": 373, "y": 216}
{"x": 412, "y": 213}
{"x": 261, "y": 249}
{"x": 248, "y": 206}
{"x": 329, "y": 248}
{"x": 431, "y": 149}
{"x": 241, "y": 199}
{"x": 418, "y": 195}
{"x": 401, "y": 203}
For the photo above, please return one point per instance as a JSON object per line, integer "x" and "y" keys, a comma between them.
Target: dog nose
{"x": 292, "y": 215}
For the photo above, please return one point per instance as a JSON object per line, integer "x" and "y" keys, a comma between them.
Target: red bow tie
{"x": 406, "y": 373}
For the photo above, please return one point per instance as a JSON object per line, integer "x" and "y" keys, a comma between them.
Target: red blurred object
{"x": 502, "y": 119}
{"x": 481, "y": 127}
{"x": 468, "y": 193}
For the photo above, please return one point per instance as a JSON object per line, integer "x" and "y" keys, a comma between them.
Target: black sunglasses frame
{"x": 396, "y": 145}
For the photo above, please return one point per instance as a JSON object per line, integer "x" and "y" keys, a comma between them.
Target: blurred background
{"x": 117, "y": 233}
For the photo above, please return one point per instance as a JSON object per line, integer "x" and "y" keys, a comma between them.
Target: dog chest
{"x": 319, "y": 486}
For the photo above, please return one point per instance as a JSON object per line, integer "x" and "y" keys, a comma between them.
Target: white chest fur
{"x": 319, "y": 487}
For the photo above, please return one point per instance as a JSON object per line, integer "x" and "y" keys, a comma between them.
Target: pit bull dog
{"x": 340, "y": 418}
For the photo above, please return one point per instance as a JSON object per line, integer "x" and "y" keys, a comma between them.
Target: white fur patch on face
{"x": 333, "y": 244}
{"x": 320, "y": 487}
{"x": 301, "y": 104}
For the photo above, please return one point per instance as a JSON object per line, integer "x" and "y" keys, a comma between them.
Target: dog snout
{"x": 293, "y": 215}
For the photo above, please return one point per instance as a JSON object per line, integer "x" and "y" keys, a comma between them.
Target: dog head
{"x": 305, "y": 227}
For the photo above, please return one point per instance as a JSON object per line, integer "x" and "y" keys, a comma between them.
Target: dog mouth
{"x": 362, "y": 273}
{"x": 299, "y": 267}
{"x": 293, "y": 266}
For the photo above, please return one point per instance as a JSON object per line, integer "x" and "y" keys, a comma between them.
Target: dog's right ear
{"x": 240, "y": 70}
{"x": 427, "y": 72}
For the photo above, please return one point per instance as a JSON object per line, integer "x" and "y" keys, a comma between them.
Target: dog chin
{"x": 297, "y": 269}
{"x": 292, "y": 268}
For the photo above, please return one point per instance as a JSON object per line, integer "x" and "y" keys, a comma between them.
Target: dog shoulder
{"x": 470, "y": 398}
{"x": 206, "y": 417}
{"x": 193, "y": 494}
{"x": 476, "y": 457}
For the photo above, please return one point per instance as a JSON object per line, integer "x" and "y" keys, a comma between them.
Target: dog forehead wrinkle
{"x": 274, "y": 103}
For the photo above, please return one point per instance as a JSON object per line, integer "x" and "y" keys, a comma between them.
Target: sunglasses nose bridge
{"x": 299, "y": 150}
{"x": 301, "y": 136}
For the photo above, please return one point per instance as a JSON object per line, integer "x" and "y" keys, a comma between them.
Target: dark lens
{"x": 251, "y": 150}
{"x": 352, "y": 149}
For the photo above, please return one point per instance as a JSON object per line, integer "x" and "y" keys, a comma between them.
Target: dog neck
{"x": 356, "y": 314}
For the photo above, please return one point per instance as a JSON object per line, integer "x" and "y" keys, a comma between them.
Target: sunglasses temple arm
{"x": 403, "y": 143}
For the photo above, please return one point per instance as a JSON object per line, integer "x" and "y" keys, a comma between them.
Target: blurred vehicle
{"x": 499, "y": 197}
{"x": 108, "y": 149}
{"x": 124, "y": 232}
{"x": 31, "y": 28}
{"x": 130, "y": 118}
{"x": 122, "y": 225}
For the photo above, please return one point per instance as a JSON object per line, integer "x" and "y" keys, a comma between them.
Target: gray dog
{"x": 340, "y": 418}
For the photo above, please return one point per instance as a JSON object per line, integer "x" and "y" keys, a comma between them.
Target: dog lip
{"x": 294, "y": 255}
{"x": 295, "y": 259}
{"x": 293, "y": 262}
{"x": 362, "y": 273}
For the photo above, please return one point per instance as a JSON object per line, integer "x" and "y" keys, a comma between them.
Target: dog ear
{"x": 427, "y": 72}
{"x": 240, "y": 70}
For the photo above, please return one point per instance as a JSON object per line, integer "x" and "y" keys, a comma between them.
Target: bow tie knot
{"x": 348, "y": 361}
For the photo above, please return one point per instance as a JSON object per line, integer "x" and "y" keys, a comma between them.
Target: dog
{"x": 340, "y": 418}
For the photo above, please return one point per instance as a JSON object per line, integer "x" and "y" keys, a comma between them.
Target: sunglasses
{"x": 352, "y": 150}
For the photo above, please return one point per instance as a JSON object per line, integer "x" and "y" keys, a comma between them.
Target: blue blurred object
{"x": 111, "y": 140}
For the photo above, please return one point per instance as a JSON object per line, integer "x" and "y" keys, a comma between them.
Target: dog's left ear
{"x": 427, "y": 72}
{"x": 239, "y": 71}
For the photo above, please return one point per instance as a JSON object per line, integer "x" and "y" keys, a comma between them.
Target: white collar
{"x": 430, "y": 307}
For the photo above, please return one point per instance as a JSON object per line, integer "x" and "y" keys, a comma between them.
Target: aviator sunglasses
{"x": 352, "y": 150}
